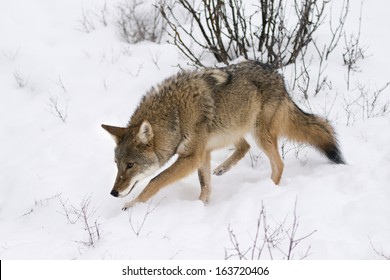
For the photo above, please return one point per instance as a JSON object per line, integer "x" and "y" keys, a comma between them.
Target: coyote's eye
{"x": 130, "y": 165}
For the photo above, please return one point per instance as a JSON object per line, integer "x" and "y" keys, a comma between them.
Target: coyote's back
{"x": 194, "y": 113}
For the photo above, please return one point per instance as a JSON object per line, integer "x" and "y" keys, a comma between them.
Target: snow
{"x": 50, "y": 167}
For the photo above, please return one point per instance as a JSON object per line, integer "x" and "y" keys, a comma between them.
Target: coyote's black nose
{"x": 114, "y": 193}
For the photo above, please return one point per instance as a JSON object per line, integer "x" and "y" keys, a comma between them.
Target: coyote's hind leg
{"x": 204, "y": 174}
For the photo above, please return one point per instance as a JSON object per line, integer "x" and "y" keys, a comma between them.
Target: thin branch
{"x": 137, "y": 228}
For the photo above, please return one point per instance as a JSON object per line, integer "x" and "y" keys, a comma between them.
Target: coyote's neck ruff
{"x": 196, "y": 112}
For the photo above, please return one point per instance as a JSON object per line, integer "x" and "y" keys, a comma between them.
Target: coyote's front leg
{"x": 182, "y": 167}
{"x": 242, "y": 147}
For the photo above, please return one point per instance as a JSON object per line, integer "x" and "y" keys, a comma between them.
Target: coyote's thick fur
{"x": 196, "y": 112}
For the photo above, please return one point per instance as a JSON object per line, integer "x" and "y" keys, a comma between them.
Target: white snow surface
{"x": 49, "y": 167}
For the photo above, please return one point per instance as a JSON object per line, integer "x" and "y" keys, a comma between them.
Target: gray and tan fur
{"x": 196, "y": 112}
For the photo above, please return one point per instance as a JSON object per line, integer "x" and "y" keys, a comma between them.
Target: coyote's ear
{"x": 145, "y": 133}
{"x": 116, "y": 132}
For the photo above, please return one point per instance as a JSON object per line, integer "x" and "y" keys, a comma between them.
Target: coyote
{"x": 195, "y": 112}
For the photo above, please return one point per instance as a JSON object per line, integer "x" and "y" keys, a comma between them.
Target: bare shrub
{"x": 83, "y": 214}
{"x": 337, "y": 29}
{"x": 353, "y": 51}
{"x": 351, "y": 55}
{"x": 86, "y": 23}
{"x": 373, "y": 103}
{"x": 135, "y": 20}
{"x": 366, "y": 103}
{"x": 58, "y": 110}
{"x": 102, "y": 14}
{"x": 139, "y": 21}
{"x": 92, "y": 17}
{"x": 308, "y": 79}
{"x": 270, "y": 240}
{"x": 228, "y": 32}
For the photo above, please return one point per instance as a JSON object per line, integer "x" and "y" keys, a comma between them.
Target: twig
{"x": 379, "y": 253}
{"x": 137, "y": 229}
{"x": 21, "y": 81}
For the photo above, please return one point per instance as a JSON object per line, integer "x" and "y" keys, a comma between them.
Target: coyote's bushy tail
{"x": 308, "y": 128}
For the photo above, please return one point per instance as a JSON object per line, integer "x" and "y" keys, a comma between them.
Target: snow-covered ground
{"x": 58, "y": 84}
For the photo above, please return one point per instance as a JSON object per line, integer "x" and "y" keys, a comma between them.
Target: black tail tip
{"x": 334, "y": 154}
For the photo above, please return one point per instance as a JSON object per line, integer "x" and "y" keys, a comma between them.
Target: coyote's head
{"x": 134, "y": 156}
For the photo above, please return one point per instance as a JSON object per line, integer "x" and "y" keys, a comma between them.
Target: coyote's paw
{"x": 205, "y": 198}
{"x": 129, "y": 204}
{"x": 220, "y": 170}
